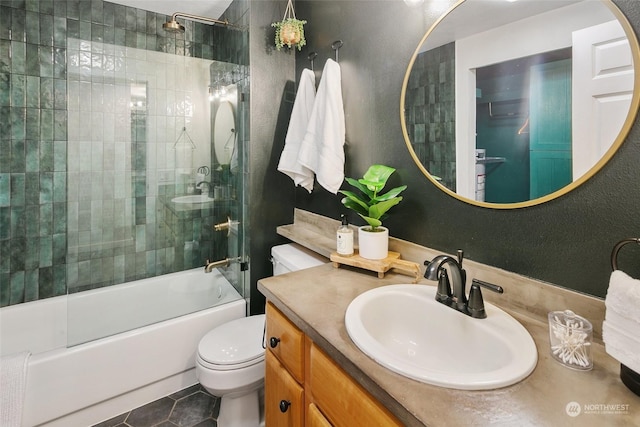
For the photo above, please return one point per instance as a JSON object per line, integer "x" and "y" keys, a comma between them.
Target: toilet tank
{"x": 293, "y": 257}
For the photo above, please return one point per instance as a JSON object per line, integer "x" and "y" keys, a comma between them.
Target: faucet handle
{"x": 475, "y": 306}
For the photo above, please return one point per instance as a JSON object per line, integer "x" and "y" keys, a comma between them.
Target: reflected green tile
{"x": 17, "y": 156}
{"x": 73, "y": 28}
{"x": 31, "y": 285}
{"x": 131, "y": 38}
{"x": 46, "y": 124}
{"x": 59, "y": 280}
{"x": 46, "y": 219}
{"x": 5, "y": 222}
{"x": 109, "y": 35}
{"x": 59, "y": 248}
{"x": 46, "y": 6}
{"x": 18, "y": 56}
{"x": 59, "y": 186}
{"x": 46, "y": 156}
{"x": 46, "y": 61}
{"x": 60, "y": 63}
{"x": 120, "y": 16}
{"x": 18, "y": 18}
{"x": 85, "y": 10}
{"x": 59, "y": 156}
{"x": 73, "y": 9}
{"x": 5, "y": 289}
{"x": 18, "y": 122}
{"x": 5, "y": 22}
{"x": 5, "y": 189}
{"x": 59, "y": 218}
{"x": 60, "y": 8}
{"x": 32, "y": 92}
{"x": 85, "y": 30}
{"x": 45, "y": 282}
{"x": 18, "y": 223}
{"x": 46, "y": 251}
{"x": 46, "y": 189}
{"x": 97, "y": 32}
{"x": 5, "y": 255}
{"x": 60, "y": 125}
{"x": 5, "y": 89}
{"x": 130, "y": 19}
{"x": 18, "y": 90}
{"x": 33, "y": 223}
{"x": 17, "y": 189}
{"x": 120, "y": 37}
{"x": 108, "y": 14}
{"x": 32, "y": 253}
{"x": 60, "y": 94}
{"x": 32, "y": 27}
{"x": 32, "y": 125}
{"x": 17, "y": 288}
{"x": 32, "y": 64}
{"x": 5, "y": 56}
{"x": 32, "y": 188}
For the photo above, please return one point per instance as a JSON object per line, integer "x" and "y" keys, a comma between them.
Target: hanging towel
{"x": 623, "y": 295}
{"x": 322, "y": 148}
{"x": 621, "y": 327}
{"x": 13, "y": 378}
{"x": 302, "y": 107}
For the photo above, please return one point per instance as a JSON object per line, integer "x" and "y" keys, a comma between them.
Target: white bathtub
{"x": 87, "y": 383}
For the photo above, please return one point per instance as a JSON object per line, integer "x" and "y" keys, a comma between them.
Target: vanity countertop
{"x": 316, "y": 300}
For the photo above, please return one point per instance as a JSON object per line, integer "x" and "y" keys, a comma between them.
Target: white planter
{"x": 373, "y": 245}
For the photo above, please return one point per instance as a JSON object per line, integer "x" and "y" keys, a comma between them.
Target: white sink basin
{"x": 194, "y": 198}
{"x": 403, "y": 328}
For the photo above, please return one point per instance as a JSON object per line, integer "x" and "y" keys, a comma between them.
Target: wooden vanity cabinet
{"x": 305, "y": 387}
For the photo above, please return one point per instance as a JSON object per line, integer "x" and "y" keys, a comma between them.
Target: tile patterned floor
{"x": 191, "y": 407}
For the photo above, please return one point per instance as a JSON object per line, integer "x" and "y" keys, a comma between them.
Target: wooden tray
{"x": 380, "y": 266}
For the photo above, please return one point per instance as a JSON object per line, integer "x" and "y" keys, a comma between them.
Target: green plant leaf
{"x": 356, "y": 183}
{"x": 373, "y": 222}
{"x": 390, "y": 194}
{"x": 376, "y": 176}
{"x": 379, "y": 209}
{"x": 352, "y": 201}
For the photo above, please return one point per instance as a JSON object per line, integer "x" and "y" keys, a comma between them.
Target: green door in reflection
{"x": 550, "y": 127}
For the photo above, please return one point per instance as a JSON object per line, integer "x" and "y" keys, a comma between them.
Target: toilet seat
{"x": 233, "y": 345}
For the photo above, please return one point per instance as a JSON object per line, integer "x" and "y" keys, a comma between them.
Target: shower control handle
{"x": 284, "y": 405}
{"x": 273, "y": 342}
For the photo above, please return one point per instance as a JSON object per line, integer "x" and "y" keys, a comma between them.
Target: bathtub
{"x": 75, "y": 379}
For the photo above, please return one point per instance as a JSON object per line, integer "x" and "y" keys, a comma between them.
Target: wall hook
{"x": 336, "y": 45}
{"x": 311, "y": 57}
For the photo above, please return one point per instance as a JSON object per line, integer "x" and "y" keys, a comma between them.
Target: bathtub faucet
{"x": 209, "y": 266}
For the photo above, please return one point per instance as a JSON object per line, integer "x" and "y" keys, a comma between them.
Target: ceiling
{"x": 208, "y": 8}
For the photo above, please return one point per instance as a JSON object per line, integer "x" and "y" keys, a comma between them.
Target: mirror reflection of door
{"x": 534, "y": 135}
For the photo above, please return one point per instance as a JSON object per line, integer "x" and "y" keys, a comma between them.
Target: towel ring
{"x": 336, "y": 45}
{"x": 616, "y": 249}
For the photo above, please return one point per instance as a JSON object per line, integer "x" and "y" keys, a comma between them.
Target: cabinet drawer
{"x": 283, "y": 396}
{"x": 343, "y": 401}
{"x": 286, "y": 341}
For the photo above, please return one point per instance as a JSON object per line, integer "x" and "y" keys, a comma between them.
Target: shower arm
{"x": 199, "y": 18}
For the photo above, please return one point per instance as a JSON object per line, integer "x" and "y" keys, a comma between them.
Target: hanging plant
{"x": 290, "y": 31}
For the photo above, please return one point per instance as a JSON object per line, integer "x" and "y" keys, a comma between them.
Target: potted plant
{"x": 289, "y": 31}
{"x": 373, "y": 239}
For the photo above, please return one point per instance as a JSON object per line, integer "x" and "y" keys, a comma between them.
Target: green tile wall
{"x": 36, "y": 260}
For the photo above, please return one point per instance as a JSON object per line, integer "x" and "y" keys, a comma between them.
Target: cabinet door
{"x": 343, "y": 401}
{"x": 315, "y": 418}
{"x": 286, "y": 341}
{"x": 283, "y": 396}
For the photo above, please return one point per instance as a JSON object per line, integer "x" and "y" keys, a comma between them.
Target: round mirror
{"x": 224, "y": 134}
{"x": 510, "y": 104}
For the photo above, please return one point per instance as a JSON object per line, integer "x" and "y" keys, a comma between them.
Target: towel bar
{"x": 616, "y": 249}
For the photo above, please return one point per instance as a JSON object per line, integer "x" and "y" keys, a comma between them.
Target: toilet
{"x": 230, "y": 358}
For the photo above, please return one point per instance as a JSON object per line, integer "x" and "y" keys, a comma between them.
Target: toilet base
{"x": 240, "y": 411}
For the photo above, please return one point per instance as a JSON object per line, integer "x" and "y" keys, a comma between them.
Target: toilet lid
{"x": 234, "y": 343}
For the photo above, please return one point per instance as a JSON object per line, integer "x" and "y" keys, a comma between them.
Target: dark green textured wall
{"x": 567, "y": 241}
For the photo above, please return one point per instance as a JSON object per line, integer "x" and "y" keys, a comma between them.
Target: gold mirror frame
{"x": 624, "y": 131}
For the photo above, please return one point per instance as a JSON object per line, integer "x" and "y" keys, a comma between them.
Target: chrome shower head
{"x": 173, "y": 26}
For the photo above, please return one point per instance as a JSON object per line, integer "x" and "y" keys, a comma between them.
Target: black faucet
{"x": 474, "y": 306}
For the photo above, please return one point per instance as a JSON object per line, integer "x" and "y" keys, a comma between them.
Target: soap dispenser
{"x": 344, "y": 238}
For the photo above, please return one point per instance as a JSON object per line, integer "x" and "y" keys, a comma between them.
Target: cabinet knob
{"x": 284, "y": 405}
{"x": 273, "y": 342}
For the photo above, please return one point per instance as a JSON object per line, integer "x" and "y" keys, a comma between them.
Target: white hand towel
{"x": 322, "y": 149}
{"x": 622, "y": 346}
{"x": 623, "y": 296}
{"x": 302, "y": 108}
{"x": 13, "y": 379}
